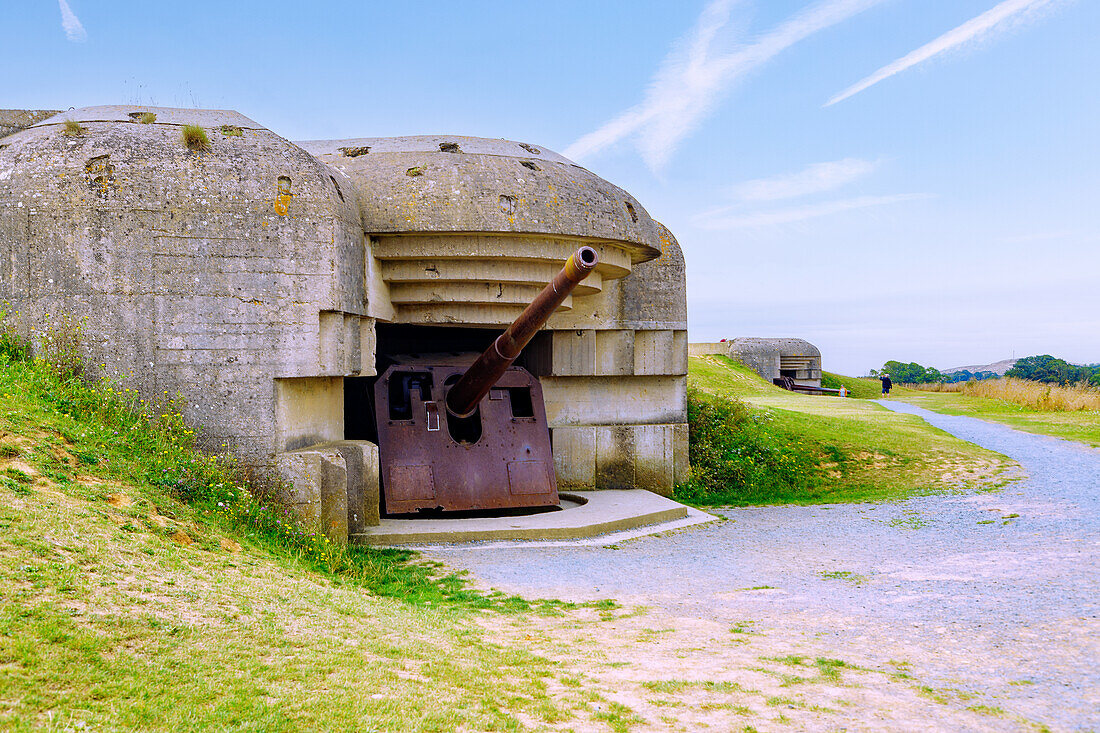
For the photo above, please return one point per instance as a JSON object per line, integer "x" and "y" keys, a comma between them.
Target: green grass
{"x": 755, "y": 443}
{"x": 858, "y": 387}
{"x": 194, "y": 137}
{"x": 1082, "y": 426}
{"x": 144, "y": 586}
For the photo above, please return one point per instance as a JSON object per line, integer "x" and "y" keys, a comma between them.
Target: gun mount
{"x": 458, "y": 436}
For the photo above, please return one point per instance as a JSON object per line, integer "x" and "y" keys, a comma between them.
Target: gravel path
{"x": 994, "y": 595}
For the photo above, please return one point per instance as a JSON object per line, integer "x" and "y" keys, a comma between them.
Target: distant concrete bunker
{"x": 269, "y": 283}
{"x": 791, "y": 363}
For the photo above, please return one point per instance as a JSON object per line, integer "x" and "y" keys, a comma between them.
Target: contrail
{"x": 986, "y": 23}
{"x": 816, "y": 178}
{"x": 724, "y": 219}
{"x": 74, "y": 31}
{"x": 691, "y": 79}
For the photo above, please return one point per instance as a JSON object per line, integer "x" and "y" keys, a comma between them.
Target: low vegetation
{"x": 72, "y": 128}
{"x": 858, "y": 387}
{"x": 194, "y": 137}
{"x": 147, "y": 118}
{"x": 754, "y": 443}
{"x": 1082, "y": 425}
{"x": 1026, "y": 393}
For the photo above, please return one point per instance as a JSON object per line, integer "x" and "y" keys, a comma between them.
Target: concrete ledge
{"x": 602, "y": 512}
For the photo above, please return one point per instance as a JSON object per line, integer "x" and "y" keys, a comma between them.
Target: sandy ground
{"x": 955, "y": 612}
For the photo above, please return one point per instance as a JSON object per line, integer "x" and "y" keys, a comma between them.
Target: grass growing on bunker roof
{"x": 72, "y": 128}
{"x": 194, "y": 137}
{"x": 755, "y": 443}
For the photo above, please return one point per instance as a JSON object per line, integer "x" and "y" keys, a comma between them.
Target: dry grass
{"x": 147, "y": 118}
{"x": 1033, "y": 395}
{"x": 194, "y": 137}
{"x": 72, "y": 128}
{"x": 938, "y": 386}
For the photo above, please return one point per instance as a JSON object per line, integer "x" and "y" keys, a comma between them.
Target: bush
{"x": 736, "y": 459}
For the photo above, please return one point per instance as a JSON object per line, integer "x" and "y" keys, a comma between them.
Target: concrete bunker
{"x": 269, "y": 283}
{"x": 791, "y": 363}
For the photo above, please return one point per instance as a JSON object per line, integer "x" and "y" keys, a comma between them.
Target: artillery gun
{"x": 458, "y": 434}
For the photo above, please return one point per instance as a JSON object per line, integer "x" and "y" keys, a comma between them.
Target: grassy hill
{"x": 144, "y": 587}
{"x": 794, "y": 448}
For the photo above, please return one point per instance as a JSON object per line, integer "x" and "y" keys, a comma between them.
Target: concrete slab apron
{"x": 994, "y": 593}
{"x": 590, "y": 514}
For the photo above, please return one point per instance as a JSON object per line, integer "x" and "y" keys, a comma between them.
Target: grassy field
{"x": 846, "y": 449}
{"x": 1081, "y": 425}
{"x": 124, "y": 608}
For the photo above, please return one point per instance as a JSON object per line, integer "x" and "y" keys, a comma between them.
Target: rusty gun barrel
{"x": 466, "y": 394}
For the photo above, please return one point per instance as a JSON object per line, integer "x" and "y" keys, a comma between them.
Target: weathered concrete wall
{"x": 208, "y": 274}
{"x": 708, "y": 348}
{"x": 614, "y": 376}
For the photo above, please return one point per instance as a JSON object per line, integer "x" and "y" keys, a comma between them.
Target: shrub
{"x": 736, "y": 459}
{"x": 194, "y": 137}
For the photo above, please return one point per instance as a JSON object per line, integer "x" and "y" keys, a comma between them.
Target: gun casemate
{"x": 458, "y": 438}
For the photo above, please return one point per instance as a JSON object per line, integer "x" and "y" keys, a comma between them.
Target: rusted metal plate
{"x": 498, "y": 458}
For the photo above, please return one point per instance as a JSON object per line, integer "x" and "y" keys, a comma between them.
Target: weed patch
{"x": 194, "y": 137}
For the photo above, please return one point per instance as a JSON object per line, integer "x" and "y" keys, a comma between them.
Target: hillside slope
{"x": 857, "y": 450}
{"x": 122, "y": 608}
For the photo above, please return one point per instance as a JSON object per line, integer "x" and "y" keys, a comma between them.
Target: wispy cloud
{"x": 1000, "y": 17}
{"x": 816, "y": 178}
{"x": 693, "y": 77}
{"x": 729, "y": 218}
{"x": 74, "y": 30}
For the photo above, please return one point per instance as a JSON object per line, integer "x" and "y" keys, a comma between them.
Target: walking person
{"x": 886, "y": 384}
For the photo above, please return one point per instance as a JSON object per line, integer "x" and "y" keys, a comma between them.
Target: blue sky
{"x": 946, "y": 211}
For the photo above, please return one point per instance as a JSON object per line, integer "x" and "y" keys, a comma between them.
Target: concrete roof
{"x": 785, "y": 346}
{"x": 165, "y": 116}
{"x": 455, "y": 184}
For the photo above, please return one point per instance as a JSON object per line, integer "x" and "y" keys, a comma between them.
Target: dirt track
{"x": 963, "y": 612}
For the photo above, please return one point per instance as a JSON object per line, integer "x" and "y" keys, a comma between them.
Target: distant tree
{"x": 965, "y": 375}
{"x": 911, "y": 373}
{"x": 1049, "y": 369}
